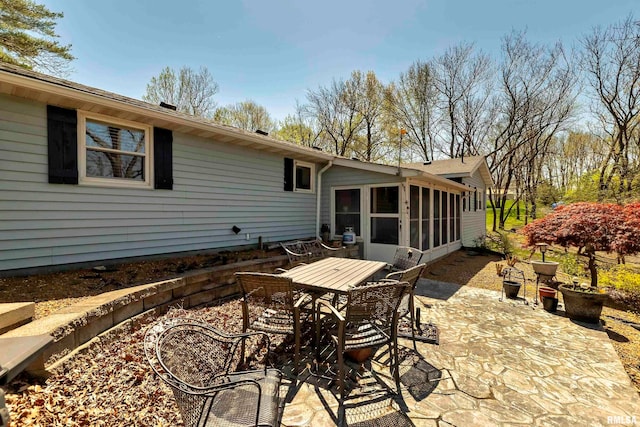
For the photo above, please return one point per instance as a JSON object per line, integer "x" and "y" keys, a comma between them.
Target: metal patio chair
{"x": 198, "y": 362}
{"x": 270, "y": 304}
{"x": 407, "y": 306}
{"x": 369, "y": 319}
{"x": 305, "y": 251}
{"x": 405, "y": 258}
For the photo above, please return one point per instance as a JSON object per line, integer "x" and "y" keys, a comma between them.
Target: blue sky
{"x": 272, "y": 52}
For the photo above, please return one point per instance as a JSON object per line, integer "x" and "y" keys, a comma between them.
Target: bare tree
{"x": 299, "y": 128}
{"x": 337, "y": 110}
{"x": 371, "y": 109}
{"x": 536, "y": 101}
{"x": 463, "y": 80}
{"x": 189, "y": 91}
{"x": 411, "y": 103}
{"x": 611, "y": 60}
{"x": 245, "y": 115}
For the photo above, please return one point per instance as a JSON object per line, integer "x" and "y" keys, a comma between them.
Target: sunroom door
{"x": 384, "y": 222}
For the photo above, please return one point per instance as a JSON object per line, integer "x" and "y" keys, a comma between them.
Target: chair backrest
{"x": 406, "y": 257}
{"x": 296, "y": 252}
{"x": 266, "y": 289}
{"x": 375, "y": 302}
{"x": 189, "y": 355}
{"x": 315, "y": 249}
{"x": 410, "y": 275}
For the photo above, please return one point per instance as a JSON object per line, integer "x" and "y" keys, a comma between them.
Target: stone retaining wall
{"x": 79, "y": 323}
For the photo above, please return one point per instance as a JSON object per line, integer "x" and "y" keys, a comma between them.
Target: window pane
{"x": 347, "y": 205}
{"x": 114, "y": 165}
{"x": 452, "y": 216}
{"x": 114, "y": 137}
{"x": 426, "y": 203}
{"x": 303, "y": 177}
{"x": 414, "y": 219}
{"x": 384, "y": 230}
{"x": 385, "y": 199}
{"x": 443, "y": 218}
{"x": 457, "y": 217}
{"x": 436, "y": 218}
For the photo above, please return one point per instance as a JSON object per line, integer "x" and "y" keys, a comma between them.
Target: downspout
{"x": 318, "y": 196}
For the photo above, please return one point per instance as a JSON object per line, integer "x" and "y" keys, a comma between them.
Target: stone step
{"x": 15, "y": 314}
{"x": 20, "y": 352}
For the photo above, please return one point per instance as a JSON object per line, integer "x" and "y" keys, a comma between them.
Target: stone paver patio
{"x": 499, "y": 363}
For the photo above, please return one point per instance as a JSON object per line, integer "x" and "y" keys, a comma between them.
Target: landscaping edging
{"x": 73, "y": 326}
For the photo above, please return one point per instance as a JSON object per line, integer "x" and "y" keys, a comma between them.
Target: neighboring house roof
{"x": 457, "y": 168}
{"x": 40, "y": 87}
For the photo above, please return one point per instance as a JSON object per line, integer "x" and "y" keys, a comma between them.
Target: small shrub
{"x": 571, "y": 265}
{"x": 622, "y": 277}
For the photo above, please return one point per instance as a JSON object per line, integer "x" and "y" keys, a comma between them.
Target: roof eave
{"x": 68, "y": 96}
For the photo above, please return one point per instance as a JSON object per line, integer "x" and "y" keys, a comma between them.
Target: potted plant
{"x": 325, "y": 231}
{"x": 591, "y": 227}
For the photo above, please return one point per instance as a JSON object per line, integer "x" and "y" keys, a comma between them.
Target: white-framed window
{"x": 347, "y": 210}
{"x": 304, "y": 176}
{"x": 385, "y": 215}
{"x": 113, "y": 152}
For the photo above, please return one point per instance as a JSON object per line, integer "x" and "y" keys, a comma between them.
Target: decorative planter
{"x": 582, "y": 306}
{"x": 545, "y": 269}
{"x": 550, "y": 304}
{"x": 360, "y": 355}
{"x": 511, "y": 288}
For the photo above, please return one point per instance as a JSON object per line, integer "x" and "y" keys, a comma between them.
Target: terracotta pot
{"x": 547, "y": 292}
{"x": 582, "y": 306}
{"x": 360, "y": 355}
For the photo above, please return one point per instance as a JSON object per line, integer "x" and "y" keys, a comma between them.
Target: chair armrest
{"x": 303, "y": 300}
{"x": 329, "y": 248}
{"x": 395, "y": 273}
{"x": 332, "y": 310}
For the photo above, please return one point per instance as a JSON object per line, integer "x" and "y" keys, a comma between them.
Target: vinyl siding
{"x": 474, "y": 222}
{"x": 216, "y": 186}
{"x": 340, "y": 176}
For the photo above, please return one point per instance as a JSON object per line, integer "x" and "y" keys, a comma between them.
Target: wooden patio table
{"x": 336, "y": 275}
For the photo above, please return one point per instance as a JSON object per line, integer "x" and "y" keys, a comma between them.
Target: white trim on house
{"x": 312, "y": 176}
{"x": 83, "y": 179}
{"x": 332, "y": 224}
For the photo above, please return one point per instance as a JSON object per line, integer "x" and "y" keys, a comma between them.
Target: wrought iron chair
{"x": 270, "y": 304}
{"x": 304, "y": 251}
{"x": 198, "y": 362}
{"x": 407, "y": 306}
{"x": 405, "y": 258}
{"x": 369, "y": 319}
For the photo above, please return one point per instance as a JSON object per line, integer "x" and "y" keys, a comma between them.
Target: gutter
{"x": 318, "y": 196}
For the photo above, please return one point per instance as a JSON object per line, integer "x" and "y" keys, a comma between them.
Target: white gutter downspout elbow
{"x": 318, "y": 197}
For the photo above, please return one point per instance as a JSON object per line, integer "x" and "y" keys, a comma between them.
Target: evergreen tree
{"x": 28, "y": 39}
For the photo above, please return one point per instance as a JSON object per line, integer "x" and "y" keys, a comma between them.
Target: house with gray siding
{"x": 89, "y": 176}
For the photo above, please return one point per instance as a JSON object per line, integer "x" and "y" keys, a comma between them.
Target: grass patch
{"x": 512, "y": 220}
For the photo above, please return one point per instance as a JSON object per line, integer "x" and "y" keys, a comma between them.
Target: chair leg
{"x": 396, "y": 362}
{"x": 341, "y": 372}
{"x": 296, "y": 356}
{"x": 412, "y": 309}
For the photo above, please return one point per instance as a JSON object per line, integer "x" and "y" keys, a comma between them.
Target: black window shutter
{"x": 288, "y": 174}
{"x": 62, "y": 139}
{"x": 163, "y": 158}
